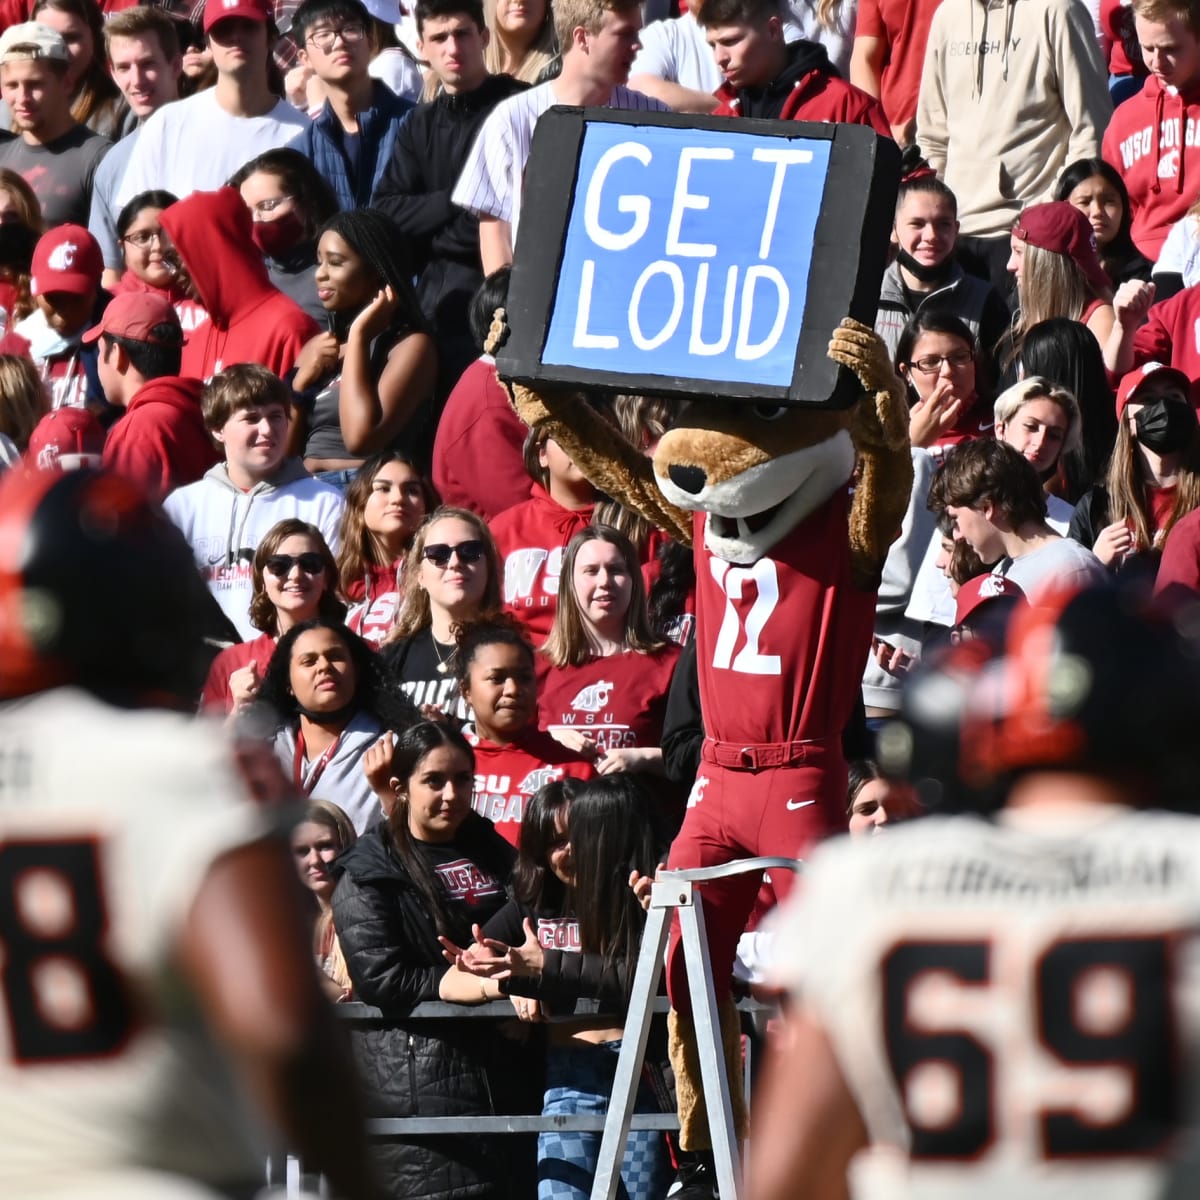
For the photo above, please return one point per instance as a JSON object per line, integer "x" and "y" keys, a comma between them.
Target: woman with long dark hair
{"x": 1096, "y": 188}
{"x": 371, "y": 375}
{"x": 579, "y": 936}
{"x": 386, "y": 502}
{"x": 432, "y": 869}
{"x": 96, "y": 101}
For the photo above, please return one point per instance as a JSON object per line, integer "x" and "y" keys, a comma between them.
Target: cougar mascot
{"x": 790, "y": 511}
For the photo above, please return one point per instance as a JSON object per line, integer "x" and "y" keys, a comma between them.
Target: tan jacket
{"x": 1013, "y": 91}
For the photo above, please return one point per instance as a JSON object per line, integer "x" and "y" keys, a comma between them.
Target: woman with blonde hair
{"x": 320, "y": 837}
{"x": 1058, "y": 273}
{"x": 605, "y": 694}
{"x": 23, "y": 403}
{"x": 385, "y": 504}
{"x": 295, "y": 580}
{"x": 452, "y": 575}
{"x": 522, "y": 44}
{"x": 96, "y": 101}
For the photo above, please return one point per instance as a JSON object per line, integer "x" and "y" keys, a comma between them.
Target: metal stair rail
{"x": 675, "y": 892}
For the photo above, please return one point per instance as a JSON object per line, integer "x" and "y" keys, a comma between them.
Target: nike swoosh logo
{"x": 984, "y": 428}
{"x": 795, "y": 804}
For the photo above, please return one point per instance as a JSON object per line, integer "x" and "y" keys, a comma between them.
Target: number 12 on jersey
{"x": 732, "y": 581}
{"x": 1096, "y": 1003}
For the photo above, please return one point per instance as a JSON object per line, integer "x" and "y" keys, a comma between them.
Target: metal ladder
{"x": 674, "y": 891}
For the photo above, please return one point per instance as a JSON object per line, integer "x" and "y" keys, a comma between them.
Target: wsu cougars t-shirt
{"x": 619, "y": 701}
{"x": 506, "y": 776}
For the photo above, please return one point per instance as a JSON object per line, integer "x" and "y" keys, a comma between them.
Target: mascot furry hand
{"x": 790, "y": 512}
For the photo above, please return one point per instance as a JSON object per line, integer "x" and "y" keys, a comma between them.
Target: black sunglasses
{"x": 439, "y": 553}
{"x": 280, "y": 565}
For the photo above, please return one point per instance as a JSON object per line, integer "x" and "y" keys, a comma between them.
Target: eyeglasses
{"x": 280, "y": 565}
{"x": 440, "y": 554}
{"x": 350, "y": 33}
{"x": 269, "y": 205}
{"x": 144, "y": 238}
{"x": 931, "y": 364}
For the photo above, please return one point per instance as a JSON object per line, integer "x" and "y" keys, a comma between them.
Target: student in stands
{"x": 513, "y": 757}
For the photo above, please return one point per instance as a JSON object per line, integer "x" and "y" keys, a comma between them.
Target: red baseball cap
{"x": 134, "y": 315}
{"x": 980, "y": 591}
{"x": 66, "y": 259}
{"x": 65, "y": 440}
{"x": 1132, "y": 381}
{"x": 246, "y": 10}
{"x": 1061, "y": 227}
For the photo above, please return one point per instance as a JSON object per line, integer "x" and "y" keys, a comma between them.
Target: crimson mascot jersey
{"x": 1015, "y": 1006}
{"x": 506, "y": 776}
{"x": 109, "y": 822}
{"x": 781, "y": 646}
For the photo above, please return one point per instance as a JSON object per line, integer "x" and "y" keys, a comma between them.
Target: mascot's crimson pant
{"x": 787, "y": 567}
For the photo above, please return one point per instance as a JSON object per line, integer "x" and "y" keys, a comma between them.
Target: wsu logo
{"x": 538, "y": 779}
{"x": 594, "y": 697}
{"x": 62, "y": 258}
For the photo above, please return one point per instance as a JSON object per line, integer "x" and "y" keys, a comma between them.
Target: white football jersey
{"x": 1014, "y": 1006}
{"x": 109, "y": 821}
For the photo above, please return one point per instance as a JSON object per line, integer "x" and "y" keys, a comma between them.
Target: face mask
{"x": 924, "y": 272}
{"x": 276, "y": 238}
{"x": 1165, "y": 426}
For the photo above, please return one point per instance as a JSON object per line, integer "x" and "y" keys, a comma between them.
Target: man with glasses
{"x": 226, "y": 514}
{"x": 198, "y": 143}
{"x": 145, "y": 63}
{"x": 350, "y": 141}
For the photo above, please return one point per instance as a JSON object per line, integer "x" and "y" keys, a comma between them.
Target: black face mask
{"x": 1165, "y": 426}
{"x": 924, "y": 272}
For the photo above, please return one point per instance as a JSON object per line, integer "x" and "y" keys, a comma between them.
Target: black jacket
{"x": 443, "y": 240}
{"x": 423, "y": 1068}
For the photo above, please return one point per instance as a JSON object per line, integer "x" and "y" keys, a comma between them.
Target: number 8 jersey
{"x": 109, "y": 821}
{"x": 1014, "y": 1006}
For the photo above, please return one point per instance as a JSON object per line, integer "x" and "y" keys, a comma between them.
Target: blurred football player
{"x": 151, "y": 932}
{"x": 1008, "y": 1000}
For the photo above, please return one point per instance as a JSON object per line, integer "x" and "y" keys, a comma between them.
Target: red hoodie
{"x": 161, "y": 443}
{"x": 1153, "y": 140}
{"x": 250, "y": 320}
{"x": 532, "y": 538}
{"x": 191, "y": 313}
{"x": 1171, "y": 335}
{"x": 816, "y": 94}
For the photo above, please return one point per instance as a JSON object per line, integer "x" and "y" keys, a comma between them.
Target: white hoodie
{"x": 224, "y": 525}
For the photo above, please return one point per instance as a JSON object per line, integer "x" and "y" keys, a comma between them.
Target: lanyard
{"x": 318, "y": 770}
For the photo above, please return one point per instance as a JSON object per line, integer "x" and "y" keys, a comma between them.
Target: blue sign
{"x": 687, "y": 253}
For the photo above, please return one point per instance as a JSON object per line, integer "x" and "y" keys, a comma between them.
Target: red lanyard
{"x": 318, "y": 770}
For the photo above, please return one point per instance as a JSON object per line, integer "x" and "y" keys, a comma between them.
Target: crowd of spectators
{"x": 249, "y": 257}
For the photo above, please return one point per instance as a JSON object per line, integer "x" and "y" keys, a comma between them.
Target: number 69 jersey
{"x": 1016, "y": 1006}
{"x": 109, "y": 821}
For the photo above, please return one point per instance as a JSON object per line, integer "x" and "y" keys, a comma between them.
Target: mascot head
{"x": 757, "y": 470}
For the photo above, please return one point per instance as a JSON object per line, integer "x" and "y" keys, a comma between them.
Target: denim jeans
{"x": 579, "y": 1079}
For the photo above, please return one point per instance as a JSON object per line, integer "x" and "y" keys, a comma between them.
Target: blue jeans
{"x": 579, "y": 1079}
{"x": 339, "y": 479}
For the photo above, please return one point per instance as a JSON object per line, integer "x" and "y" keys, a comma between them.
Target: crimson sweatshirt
{"x": 1153, "y": 140}
{"x": 250, "y": 320}
{"x": 506, "y": 776}
{"x": 1171, "y": 335}
{"x": 161, "y": 443}
{"x": 811, "y": 91}
{"x": 532, "y": 538}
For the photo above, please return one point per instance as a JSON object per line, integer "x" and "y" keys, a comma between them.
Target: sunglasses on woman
{"x": 439, "y": 553}
{"x": 280, "y": 565}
